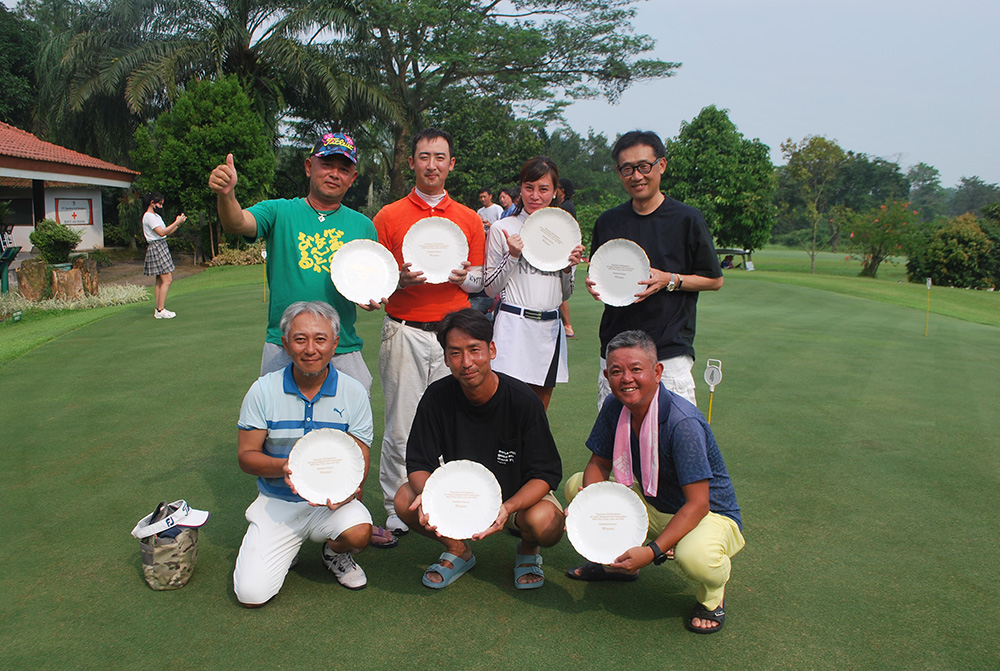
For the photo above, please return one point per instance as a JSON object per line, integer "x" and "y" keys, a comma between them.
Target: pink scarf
{"x": 649, "y": 443}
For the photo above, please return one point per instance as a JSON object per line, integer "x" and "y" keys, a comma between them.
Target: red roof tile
{"x": 17, "y": 143}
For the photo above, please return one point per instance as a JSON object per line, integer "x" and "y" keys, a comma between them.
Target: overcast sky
{"x": 908, "y": 81}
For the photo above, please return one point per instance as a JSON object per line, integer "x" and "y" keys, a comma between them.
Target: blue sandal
{"x": 449, "y": 575}
{"x": 528, "y": 565}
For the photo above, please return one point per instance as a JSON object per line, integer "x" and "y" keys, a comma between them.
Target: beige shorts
{"x": 511, "y": 522}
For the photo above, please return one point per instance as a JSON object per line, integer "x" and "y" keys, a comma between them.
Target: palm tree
{"x": 145, "y": 51}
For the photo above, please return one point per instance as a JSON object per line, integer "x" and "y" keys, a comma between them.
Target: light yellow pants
{"x": 703, "y": 554}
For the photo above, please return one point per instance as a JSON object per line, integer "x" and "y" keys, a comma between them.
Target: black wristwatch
{"x": 658, "y": 556}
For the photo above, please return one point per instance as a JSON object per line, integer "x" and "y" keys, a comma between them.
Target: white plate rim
{"x": 384, "y": 255}
{"x": 351, "y": 452}
{"x": 429, "y": 498}
{"x": 548, "y": 263}
{"x": 434, "y": 275}
{"x": 577, "y": 512}
{"x": 597, "y": 261}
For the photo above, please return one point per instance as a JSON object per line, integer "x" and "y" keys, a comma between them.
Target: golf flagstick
{"x": 263, "y": 255}
{"x": 713, "y": 376}
{"x": 927, "y": 321}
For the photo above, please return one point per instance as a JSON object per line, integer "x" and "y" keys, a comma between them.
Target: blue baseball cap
{"x": 336, "y": 143}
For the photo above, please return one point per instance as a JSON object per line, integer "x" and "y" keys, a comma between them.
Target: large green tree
{"x": 811, "y": 176}
{"x": 144, "y": 51}
{"x": 537, "y": 53}
{"x": 491, "y": 144}
{"x": 207, "y": 121}
{"x": 17, "y": 69}
{"x": 927, "y": 196}
{"x": 972, "y": 195}
{"x": 711, "y": 166}
{"x": 587, "y": 162}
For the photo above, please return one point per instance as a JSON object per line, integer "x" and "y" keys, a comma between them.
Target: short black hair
{"x": 637, "y": 137}
{"x": 471, "y": 321}
{"x": 510, "y": 192}
{"x": 484, "y": 190}
{"x": 566, "y": 184}
{"x": 433, "y": 134}
{"x": 628, "y": 339}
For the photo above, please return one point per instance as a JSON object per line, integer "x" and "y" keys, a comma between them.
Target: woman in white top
{"x": 529, "y": 335}
{"x": 158, "y": 261}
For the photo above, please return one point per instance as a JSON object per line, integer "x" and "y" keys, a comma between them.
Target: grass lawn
{"x": 863, "y": 454}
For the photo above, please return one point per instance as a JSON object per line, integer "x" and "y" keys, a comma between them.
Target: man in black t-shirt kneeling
{"x": 490, "y": 418}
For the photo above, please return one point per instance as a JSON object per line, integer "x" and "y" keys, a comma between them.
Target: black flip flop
{"x": 702, "y": 613}
{"x": 593, "y": 572}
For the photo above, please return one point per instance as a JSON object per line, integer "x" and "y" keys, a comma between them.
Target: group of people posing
{"x": 458, "y": 386}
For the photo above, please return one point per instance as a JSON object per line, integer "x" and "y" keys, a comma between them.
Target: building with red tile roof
{"x": 43, "y": 180}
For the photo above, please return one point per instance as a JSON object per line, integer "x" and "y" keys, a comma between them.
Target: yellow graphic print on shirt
{"x": 317, "y": 250}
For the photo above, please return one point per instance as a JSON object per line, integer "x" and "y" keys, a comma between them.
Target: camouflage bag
{"x": 167, "y": 563}
{"x": 168, "y": 542}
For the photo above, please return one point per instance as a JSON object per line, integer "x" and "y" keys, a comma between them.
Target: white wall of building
{"x": 82, "y": 201}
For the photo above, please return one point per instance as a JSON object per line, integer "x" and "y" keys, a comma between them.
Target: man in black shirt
{"x": 497, "y": 421}
{"x": 681, "y": 255}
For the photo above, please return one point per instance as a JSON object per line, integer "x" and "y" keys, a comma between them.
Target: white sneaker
{"x": 396, "y": 525}
{"x": 164, "y": 314}
{"x": 342, "y": 565}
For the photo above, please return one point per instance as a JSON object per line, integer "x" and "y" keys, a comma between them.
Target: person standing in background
{"x": 158, "y": 260}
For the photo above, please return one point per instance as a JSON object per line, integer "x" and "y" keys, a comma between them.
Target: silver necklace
{"x": 319, "y": 215}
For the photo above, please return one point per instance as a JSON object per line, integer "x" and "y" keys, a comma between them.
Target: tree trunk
{"x": 67, "y": 284}
{"x": 400, "y": 163}
{"x": 88, "y": 272}
{"x": 32, "y": 279}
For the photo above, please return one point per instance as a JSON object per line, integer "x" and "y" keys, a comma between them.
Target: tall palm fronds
{"x": 145, "y": 50}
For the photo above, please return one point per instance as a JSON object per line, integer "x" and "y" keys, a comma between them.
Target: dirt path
{"x": 130, "y": 271}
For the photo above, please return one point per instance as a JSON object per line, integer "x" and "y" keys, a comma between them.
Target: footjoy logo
{"x": 506, "y": 457}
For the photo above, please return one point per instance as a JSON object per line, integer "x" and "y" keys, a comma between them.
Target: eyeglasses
{"x": 643, "y": 167}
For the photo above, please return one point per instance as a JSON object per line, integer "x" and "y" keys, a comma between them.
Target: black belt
{"x": 537, "y": 315}
{"x": 432, "y": 327}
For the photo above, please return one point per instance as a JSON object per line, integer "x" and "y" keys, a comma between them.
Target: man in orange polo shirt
{"x": 411, "y": 358}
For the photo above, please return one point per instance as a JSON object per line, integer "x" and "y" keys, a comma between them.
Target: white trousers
{"x": 676, "y": 377}
{"x": 409, "y": 360}
{"x": 276, "y": 532}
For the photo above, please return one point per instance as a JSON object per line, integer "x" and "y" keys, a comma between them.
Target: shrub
{"x": 54, "y": 241}
{"x": 249, "y": 255}
{"x": 957, "y": 254}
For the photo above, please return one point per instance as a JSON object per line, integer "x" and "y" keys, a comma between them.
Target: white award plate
{"x": 326, "y": 464}
{"x": 364, "y": 270}
{"x": 605, "y": 520}
{"x": 549, "y": 235}
{"x": 616, "y": 268}
{"x": 435, "y": 246}
{"x": 461, "y": 498}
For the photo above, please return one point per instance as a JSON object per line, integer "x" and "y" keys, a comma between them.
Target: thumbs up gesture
{"x": 223, "y": 179}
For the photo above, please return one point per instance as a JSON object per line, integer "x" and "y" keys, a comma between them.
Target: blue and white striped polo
{"x": 275, "y": 403}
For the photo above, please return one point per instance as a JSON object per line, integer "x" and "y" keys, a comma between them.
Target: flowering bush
{"x": 879, "y": 234}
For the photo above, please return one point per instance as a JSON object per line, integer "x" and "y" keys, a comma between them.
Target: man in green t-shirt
{"x": 301, "y": 237}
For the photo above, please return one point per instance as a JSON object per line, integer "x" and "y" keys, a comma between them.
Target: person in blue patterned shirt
{"x": 280, "y": 408}
{"x": 659, "y": 444}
